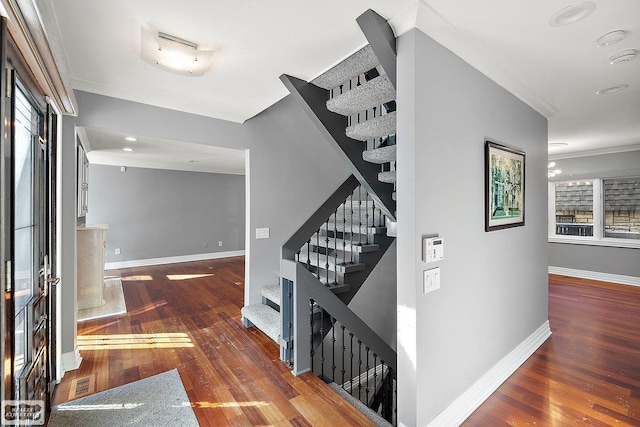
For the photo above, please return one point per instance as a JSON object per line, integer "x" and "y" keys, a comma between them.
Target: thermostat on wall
{"x": 432, "y": 249}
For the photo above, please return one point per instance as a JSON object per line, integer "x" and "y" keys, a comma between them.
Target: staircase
{"x": 353, "y": 105}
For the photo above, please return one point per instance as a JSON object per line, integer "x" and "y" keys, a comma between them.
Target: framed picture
{"x": 504, "y": 186}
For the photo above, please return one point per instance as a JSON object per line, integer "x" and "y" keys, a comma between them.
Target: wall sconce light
{"x": 174, "y": 54}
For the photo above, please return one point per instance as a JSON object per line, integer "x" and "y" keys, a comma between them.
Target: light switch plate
{"x": 431, "y": 280}
{"x": 262, "y": 233}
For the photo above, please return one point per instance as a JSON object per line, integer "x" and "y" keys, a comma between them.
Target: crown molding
{"x": 601, "y": 152}
{"x": 45, "y": 59}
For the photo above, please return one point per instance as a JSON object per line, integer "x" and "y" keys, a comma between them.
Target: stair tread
{"x": 347, "y": 245}
{"x": 320, "y": 260}
{"x": 264, "y": 318}
{"x": 368, "y": 95}
{"x": 358, "y": 63}
{"x": 348, "y": 228}
{"x": 388, "y": 177}
{"x": 380, "y": 155}
{"x": 272, "y": 293}
{"x": 379, "y": 127}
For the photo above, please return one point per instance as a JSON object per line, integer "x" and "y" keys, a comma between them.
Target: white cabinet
{"x": 91, "y": 259}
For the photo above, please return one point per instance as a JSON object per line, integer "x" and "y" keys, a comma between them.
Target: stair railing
{"x": 368, "y": 375}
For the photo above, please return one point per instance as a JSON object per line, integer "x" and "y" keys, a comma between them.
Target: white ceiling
{"x": 106, "y": 148}
{"x": 556, "y": 70}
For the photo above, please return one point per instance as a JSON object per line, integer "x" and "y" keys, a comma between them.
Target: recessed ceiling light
{"x": 572, "y": 14}
{"x": 193, "y": 161}
{"x": 611, "y": 38}
{"x": 612, "y": 89}
{"x": 127, "y": 149}
{"x": 556, "y": 145}
{"x": 623, "y": 56}
{"x": 130, "y": 138}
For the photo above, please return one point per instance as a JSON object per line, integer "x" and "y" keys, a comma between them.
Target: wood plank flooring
{"x": 187, "y": 316}
{"x": 586, "y": 373}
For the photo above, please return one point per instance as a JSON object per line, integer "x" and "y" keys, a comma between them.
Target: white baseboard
{"x": 171, "y": 260}
{"x": 70, "y": 361}
{"x": 471, "y": 399}
{"x": 594, "y": 275}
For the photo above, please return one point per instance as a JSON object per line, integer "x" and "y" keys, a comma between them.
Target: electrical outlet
{"x": 262, "y": 233}
{"x": 205, "y": 245}
{"x": 117, "y": 251}
{"x": 220, "y": 243}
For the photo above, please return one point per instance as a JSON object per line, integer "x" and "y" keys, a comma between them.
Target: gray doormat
{"x": 159, "y": 401}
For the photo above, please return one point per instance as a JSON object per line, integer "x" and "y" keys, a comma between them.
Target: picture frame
{"x": 504, "y": 178}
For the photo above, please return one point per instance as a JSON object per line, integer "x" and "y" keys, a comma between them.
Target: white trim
{"x": 613, "y": 150}
{"x": 592, "y": 241}
{"x": 595, "y": 275}
{"x": 70, "y": 361}
{"x": 471, "y": 399}
{"x": 171, "y": 260}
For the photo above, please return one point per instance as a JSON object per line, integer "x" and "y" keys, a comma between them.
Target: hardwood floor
{"x": 587, "y": 373}
{"x": 187, "y": 316}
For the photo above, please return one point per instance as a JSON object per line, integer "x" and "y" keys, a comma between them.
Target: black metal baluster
{"x": 360, "y": 370}
{"x": 344, "y": 232}
{"x": 309, "y": 254}
{"x": 335, "y": 246}
{"x": 373, "y": 213}
{"x": 351, "y": 223}
{"x": 333, "y": 349}
{"x": 366, "y": 210}
{"x": 326, "y": 254}
{"x": 311, "y": 324}
{"x": 351, "y": 364}
{"x": 322, "y": 343}
{"x": 394, "y": 398}
{"x": 366, "y": 390}
{"x": 343, "y": 350}
{"x": 360, "y": 214}
{"x": 375, "y": 376}
{"x": 318, "y": 253}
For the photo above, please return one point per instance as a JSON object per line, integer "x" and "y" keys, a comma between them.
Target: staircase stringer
{"x": 332, "y": 126}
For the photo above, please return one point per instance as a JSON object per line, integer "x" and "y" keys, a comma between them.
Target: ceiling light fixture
{"x": 174, "y": 54}
{"x": 127, "y": 149}
{"x": 131, "y": 139}
{"x": 572, "y": 14}
{"x": 612, "y": 89}
{"x": 623, "y": 56}
{"x": 193, "y": 161}
{"x": 610, "y": 38}
{"x": 552, "y": 172}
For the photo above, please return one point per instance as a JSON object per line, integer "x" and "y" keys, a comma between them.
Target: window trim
{"x": 598, "y": 238}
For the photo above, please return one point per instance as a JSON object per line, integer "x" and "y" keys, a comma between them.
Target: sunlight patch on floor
{"x": 188, "y": 276}
{"x": 140, "y": 277}
{"x": 134, "y": 341}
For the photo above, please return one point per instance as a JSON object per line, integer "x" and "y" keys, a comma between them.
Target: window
{"x": 622, "y": 208}
{"x": 596, "y": 212}
{"x": 574, "y": 208}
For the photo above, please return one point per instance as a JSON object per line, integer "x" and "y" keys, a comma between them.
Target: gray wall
{"x": 600, "y": 259}
{"x": 493, "y": 291}
{"x": 155, "y": 213}
{"x": 290, "y": 173}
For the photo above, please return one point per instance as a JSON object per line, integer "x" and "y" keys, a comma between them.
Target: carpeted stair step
{"x": 379, "y": 127}
{"x": 346, "y": 245}
{"x": 368, "y": 95}
{"x": 321, "y": 261}
{"x": 354, "y": 228}
{"x": 358, "y": 63}
{"x": 364, "y": 409}
{"x": 264, "y": 318}
{"x": 380, "y": 155}
{"x": 388, "y": 177}
{"x": 272, "y": 293}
